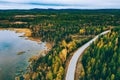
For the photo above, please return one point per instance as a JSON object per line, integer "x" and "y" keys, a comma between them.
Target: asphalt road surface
{"x": 70, "y": 75}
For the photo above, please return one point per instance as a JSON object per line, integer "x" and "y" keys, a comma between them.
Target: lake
{"x": 10, "y": 45}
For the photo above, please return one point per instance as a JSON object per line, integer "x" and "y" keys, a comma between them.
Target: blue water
{"x": 10, "y": 45}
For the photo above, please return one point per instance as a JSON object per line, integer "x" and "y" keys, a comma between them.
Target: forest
{"x": 102, "y": 59}
{"x": 67, "y": 30}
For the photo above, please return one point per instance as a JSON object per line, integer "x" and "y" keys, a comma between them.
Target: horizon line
{"x": 65, "y": 9}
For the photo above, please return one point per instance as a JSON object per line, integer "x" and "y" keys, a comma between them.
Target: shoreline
{"x": 28, "y": 33}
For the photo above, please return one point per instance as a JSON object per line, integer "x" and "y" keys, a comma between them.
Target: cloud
{"x": 58, "y": 4}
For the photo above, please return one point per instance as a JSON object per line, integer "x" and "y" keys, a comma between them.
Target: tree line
{"x": 102, "y": 59}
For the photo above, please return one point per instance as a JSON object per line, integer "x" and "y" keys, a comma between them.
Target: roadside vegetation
{"x": 102, "y": 58}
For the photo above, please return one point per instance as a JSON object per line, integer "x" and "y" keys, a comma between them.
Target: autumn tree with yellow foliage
{"x": 102, "y": 59}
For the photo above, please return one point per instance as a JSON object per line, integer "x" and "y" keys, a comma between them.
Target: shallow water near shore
{"x": 11, "y": 64}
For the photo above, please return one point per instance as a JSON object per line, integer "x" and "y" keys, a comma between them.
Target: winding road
{"x": 70, "y": 75}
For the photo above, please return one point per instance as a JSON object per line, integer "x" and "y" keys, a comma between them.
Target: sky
{"x": 60, "y": 4}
